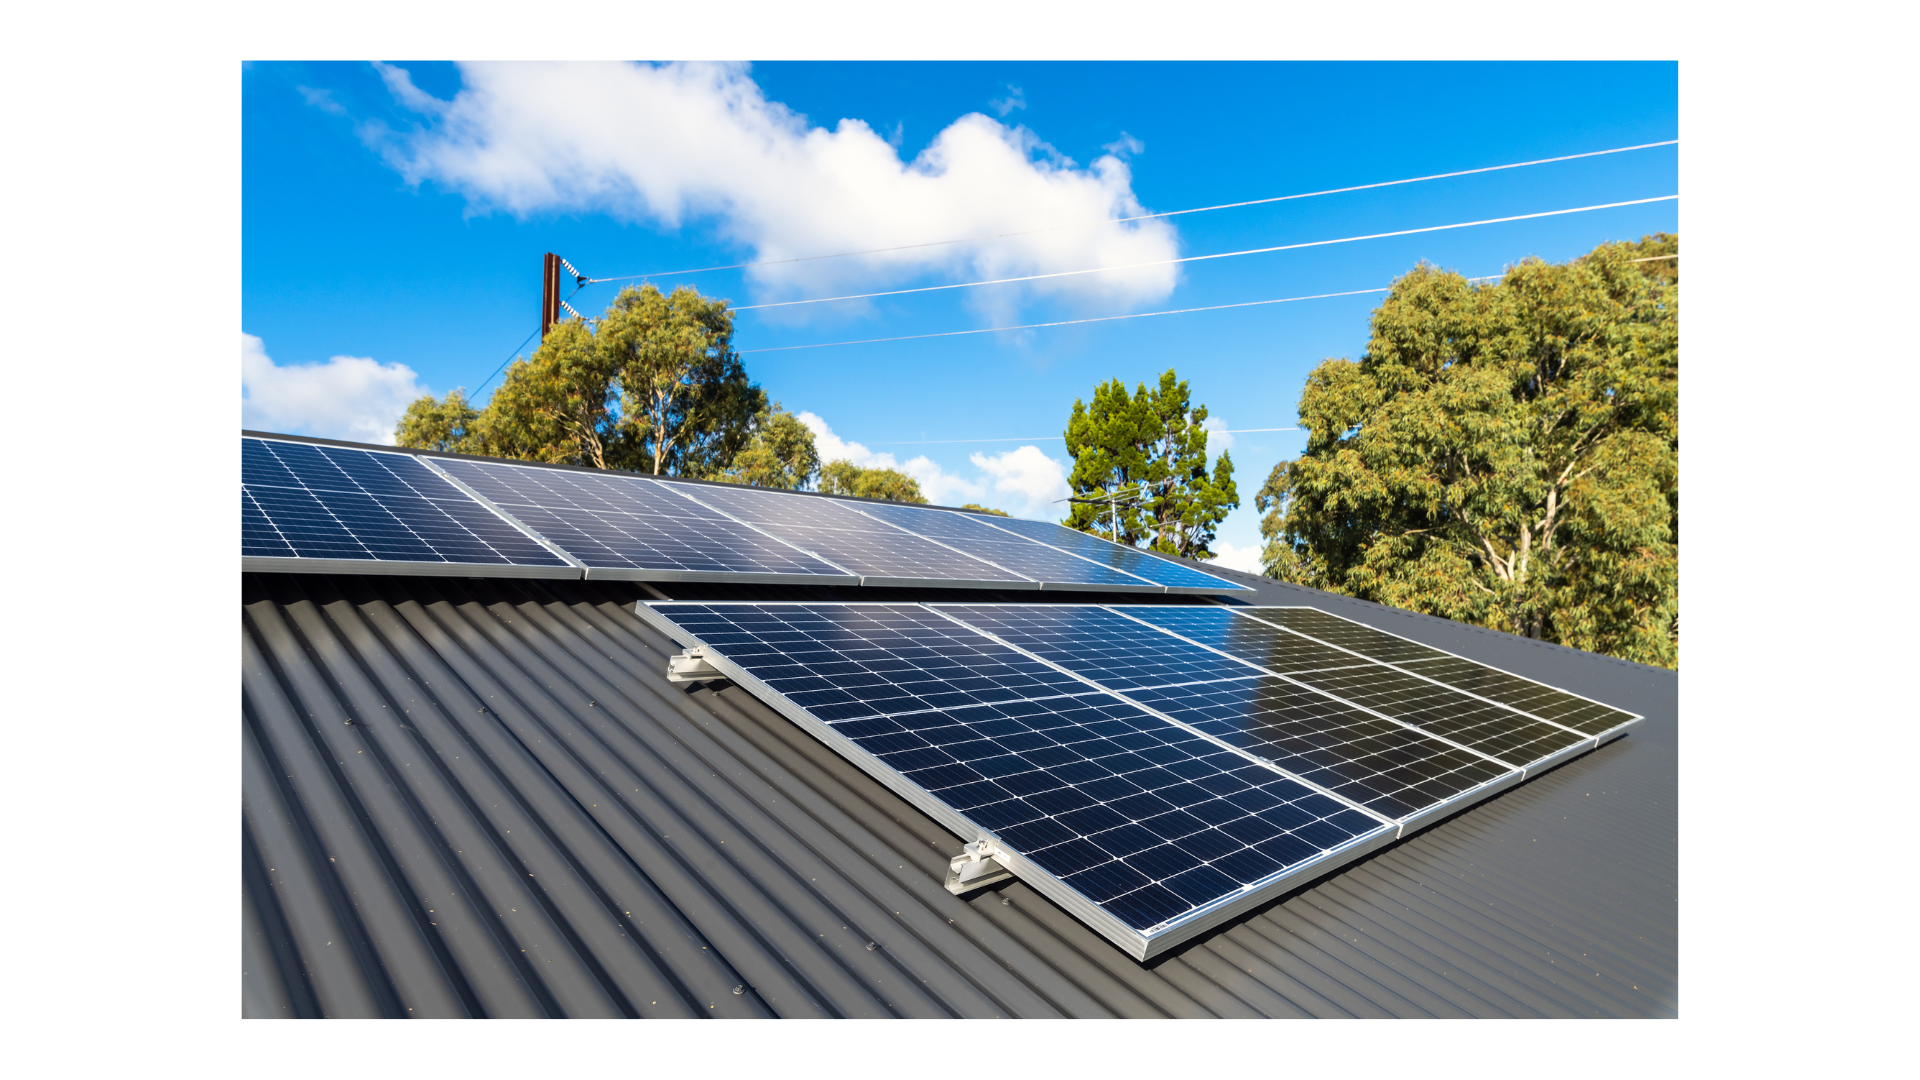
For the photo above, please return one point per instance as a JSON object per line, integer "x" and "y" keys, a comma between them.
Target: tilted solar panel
{"x": 629, "y": 527}
{"x": 1153, "y": 769}
{"x": 1146, "y": 830}
{"x": 331, "y": 509}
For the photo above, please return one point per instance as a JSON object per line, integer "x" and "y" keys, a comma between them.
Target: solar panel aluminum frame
{"x": 1141, "y": 946}
{"x": 1597, "y": 741}
{"x": 279, "y": 564}
{"x": 1405, "y": 826}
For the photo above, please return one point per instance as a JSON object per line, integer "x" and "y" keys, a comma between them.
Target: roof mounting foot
{"x": 976, "y": 866}
{"x": 692, "y": 666}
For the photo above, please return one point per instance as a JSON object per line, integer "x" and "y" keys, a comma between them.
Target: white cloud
{"x": 1218, "y": 437}
{"x": 348, "y": 397}
{"x": 668, "y": 142}
{"x": 322, "y": 100}
{"x": 1023, "y": 482}
{"x": 1016, "y": 99}
{"x": 1031, "y": 477}
{"x": 1246, "y": 559}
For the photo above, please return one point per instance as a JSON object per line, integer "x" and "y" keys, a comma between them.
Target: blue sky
{"x": 394, "y": 218}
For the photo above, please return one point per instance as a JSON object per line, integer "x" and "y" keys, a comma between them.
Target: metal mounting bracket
{"x": 692, "y": 666}
{"x": 977, "y": 865}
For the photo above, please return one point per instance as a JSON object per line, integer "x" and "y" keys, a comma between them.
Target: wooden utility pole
{"x": 549, "y": 294}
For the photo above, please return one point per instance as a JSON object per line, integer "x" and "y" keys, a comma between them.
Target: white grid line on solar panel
{"x": 1251, "y": 757}
{"x": 1042, "y": 562}
{"x": 610, "y": 522}
{"x": 1549, "y": 703}
{"x": 1104, "y": 646}
{"x": 1117, "y": 556}
{"x": 1388, "y": 767}
{"x": 360, "y": 504}
{"x": 861, "y": 544}
{"x": 1196, "y": 625}
{"x": 1139, "y": 816}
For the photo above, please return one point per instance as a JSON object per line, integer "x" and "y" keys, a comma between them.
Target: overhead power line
{"x": 1203, "y": 258}
{"x": 1100, "y": 318}
{"x": 1135, "y": 217}
{"x": 1045, "y": 438}
{"x": 1064, "y": 322}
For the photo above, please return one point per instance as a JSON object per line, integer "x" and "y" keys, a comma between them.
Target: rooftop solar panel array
{"x": 521, "y": 519}
{"x": 329, "y": 508}
{"x": 1154, "y": 769}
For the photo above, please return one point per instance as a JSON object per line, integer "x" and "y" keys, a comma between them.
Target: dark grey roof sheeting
{"x": 484, "y": 798}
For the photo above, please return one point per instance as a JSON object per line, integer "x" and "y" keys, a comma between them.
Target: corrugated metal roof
{"x": 484, "y": 798}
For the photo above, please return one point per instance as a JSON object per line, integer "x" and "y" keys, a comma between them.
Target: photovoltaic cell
{"x": 1147, "y": 821}
{"x": 617, "y": 522}
{"x": 1126, "y": 559}
{"x": 847, "y": 538}
{"x": 305, "y": 501}
{"x": 1016, "y": 553}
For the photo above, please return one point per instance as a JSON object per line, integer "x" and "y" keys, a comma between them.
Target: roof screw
{"x": 739, "y": 990}
{"x": 1006, "y": 901}
{"x": 871, "y": 946}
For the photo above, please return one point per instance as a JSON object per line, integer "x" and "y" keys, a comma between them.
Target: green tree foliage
{"x": 686, "y": 404}
{"x": 558, "y": 406}
{"x": 657, "y": 387}
{"x": 1153, "y": 442}
{"x": 984, "y": 509}
{"x": 437, "y": 425}
{"x": 1505, "y": 455}
{"x": 846, "y": 478}
{"x": 779, "y": 453}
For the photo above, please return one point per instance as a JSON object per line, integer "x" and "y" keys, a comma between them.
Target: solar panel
{"x": 1386, "y": 765}
{"x": 1548, "y": 703}
{"x": 305, "y": 507}
{"x": 1500, "y": 731}
{"x": 629, "y": 527}
{"x": 1175, "y": 577}
{"x": 1055, "y": 569}
{"x": 1148, "y": 831}
{"x": 881, "y": 554}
